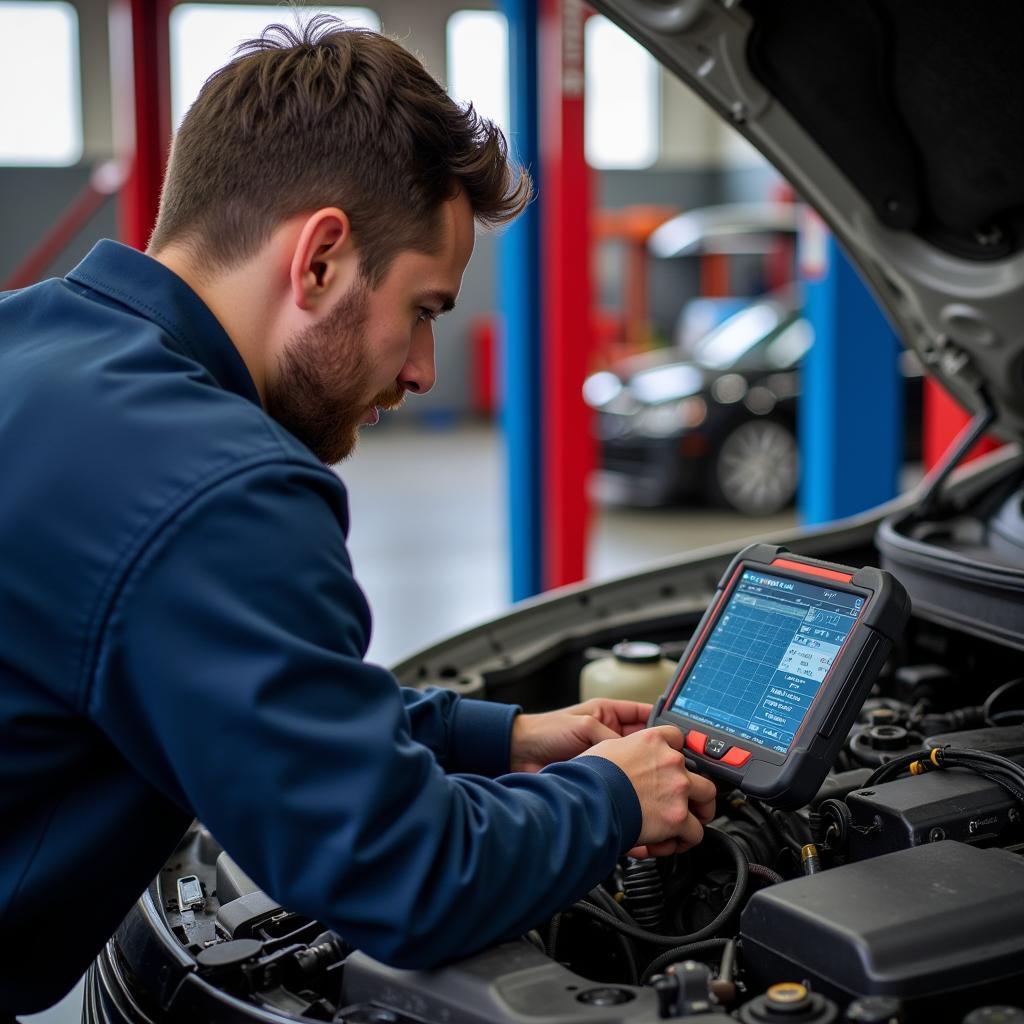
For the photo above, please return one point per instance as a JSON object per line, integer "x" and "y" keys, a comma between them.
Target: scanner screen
{"x": 768, "y": 655}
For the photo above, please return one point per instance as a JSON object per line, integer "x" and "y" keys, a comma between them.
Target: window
{"x": 40, "y": 98}
{"x": 621, "y": 108}
{"x": 478, "y": 63}
{"x": 204, "y": 37}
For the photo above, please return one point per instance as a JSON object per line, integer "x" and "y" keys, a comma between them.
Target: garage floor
{"x": 429, "y": 537}
{"x": 429, "y": 544}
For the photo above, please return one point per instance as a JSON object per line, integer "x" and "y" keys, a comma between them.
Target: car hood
{"x": 900, "y": 122}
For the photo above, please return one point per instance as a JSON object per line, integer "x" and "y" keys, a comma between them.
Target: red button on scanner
{"x": 736, "y": 757}
{"x": 695, "y": 741}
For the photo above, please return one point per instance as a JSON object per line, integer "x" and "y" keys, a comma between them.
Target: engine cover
{"x": 934, "y": 921}
{"x": 952, "y": 804}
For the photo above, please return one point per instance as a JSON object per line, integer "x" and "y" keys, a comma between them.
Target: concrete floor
{"x": 429, "y": 544}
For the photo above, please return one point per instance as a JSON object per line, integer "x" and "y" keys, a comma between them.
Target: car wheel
{"x": 757, "y": 467}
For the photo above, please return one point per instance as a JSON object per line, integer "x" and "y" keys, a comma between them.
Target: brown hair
{"x": 326, "y": 115}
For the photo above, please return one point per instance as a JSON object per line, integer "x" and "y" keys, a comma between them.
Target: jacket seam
{"x": 134, "y": 302}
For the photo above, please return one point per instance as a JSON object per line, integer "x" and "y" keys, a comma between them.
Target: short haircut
{"x": 326, "y": 115}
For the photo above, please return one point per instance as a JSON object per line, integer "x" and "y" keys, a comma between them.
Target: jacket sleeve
{"x": 464, "y": 735}
{"x": 229, "y": 673}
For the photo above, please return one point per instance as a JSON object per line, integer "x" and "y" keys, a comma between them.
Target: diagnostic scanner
{"x": 778, "y": 669}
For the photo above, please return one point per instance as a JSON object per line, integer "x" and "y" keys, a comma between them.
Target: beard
{"x": 321, "y": 392}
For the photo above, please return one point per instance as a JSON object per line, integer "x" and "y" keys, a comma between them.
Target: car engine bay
{"x": 896, "y": 894}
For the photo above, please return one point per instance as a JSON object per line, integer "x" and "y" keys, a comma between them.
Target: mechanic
{"x": 183, "y": 635}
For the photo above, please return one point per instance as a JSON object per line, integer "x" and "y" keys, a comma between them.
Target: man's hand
{"x": 539, "y": 740}
{"x": 674, "y": 801}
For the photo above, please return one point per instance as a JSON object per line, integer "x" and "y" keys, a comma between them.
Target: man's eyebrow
{"x": 445, "y": 300}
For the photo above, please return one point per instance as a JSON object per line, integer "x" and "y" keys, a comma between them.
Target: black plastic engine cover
{"x": 931, "y": 921}
{"x": 952, "y": 804}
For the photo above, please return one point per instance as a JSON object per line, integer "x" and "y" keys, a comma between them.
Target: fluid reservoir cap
{"x": 637, "y": 652}
{"x": 787, "y": 993}
{"x": 225, "y": 955}
{"x": 605, "y": 996}
{"x": 881, "y": 716}
{"x": 887, "y": 737}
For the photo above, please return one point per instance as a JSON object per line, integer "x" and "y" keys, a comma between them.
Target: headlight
{"x": 670, "y": 418}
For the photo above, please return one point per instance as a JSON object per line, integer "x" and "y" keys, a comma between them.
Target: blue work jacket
{"x": 181, "y": 635}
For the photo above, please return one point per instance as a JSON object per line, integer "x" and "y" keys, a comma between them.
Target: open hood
{"x": 902, "y": 123}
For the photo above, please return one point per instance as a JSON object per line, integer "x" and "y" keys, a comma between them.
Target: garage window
{"x": 204, "y": 38}
{"x": 40, "y": 91}
{"x": 621, "y": 106}
{"x": 477, "y": 50}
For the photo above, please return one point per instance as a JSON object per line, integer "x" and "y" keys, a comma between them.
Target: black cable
{"x": 782, "y": 824}
{"x": 656, "y": 939}
{"x": 599, "y": 895}
{"x": 1007, "y": 773}
{"x": 553, "y": 929}
{"x": 611, "y": 904}
{"x": 954, "y": 755}
{"x": 1006, "y": 784}
{"x": 892, "y": 768}
{"x": 769, "y": 823}
{"x": 687, "y": 952}
{"x": 986, "y": 708}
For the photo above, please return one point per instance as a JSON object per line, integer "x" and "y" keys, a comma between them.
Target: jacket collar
{"x": 152, "y": 291}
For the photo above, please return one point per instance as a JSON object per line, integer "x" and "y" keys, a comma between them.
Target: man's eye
{"x": 425, "y": 314}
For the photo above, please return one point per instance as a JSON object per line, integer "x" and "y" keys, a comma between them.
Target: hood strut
{"x": 971, "y": 434}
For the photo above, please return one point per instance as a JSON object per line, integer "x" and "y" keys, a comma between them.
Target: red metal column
{"x": 140, "y": 63}
{"x": 569, "y": 445}
{"x": 944, "y": 417}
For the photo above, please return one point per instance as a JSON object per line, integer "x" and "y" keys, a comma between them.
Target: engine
{"x": 897, "y": 894}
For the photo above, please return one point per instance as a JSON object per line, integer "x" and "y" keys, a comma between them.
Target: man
{"x": 182, "y": 632}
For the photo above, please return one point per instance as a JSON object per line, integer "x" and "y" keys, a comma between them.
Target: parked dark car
{"x": 902, "y": 122}
{"x": 720, "y": 423}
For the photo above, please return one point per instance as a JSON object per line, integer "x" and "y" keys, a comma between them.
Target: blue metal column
{"x": 851, "y": 401}
{"x": 519, "y": 304}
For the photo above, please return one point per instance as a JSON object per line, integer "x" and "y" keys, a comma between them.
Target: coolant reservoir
{"x": 636, "y": 670}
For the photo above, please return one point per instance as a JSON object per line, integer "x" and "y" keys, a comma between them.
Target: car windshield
{"x": 739, "y": 339}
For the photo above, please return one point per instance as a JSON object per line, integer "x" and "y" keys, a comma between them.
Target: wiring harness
{"x": 994, "y": 767}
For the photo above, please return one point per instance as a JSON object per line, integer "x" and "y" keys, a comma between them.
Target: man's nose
{"x": 419, "y": 373}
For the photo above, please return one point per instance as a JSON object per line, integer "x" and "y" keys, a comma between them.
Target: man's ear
{"x": 324, "y": 261}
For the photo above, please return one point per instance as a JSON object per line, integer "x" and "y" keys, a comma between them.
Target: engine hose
{"x": 687, "y": 952}
{"x": 645, "y": 893}
{"x": 654, "y": 938}
{"x": 765, "y": 873}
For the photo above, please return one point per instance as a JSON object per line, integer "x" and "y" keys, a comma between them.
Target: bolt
{"x": 936, "y": 835}
{"x": 1013, "y": 815}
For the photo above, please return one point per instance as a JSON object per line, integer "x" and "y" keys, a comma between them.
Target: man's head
{"x": 322, "y": 190}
